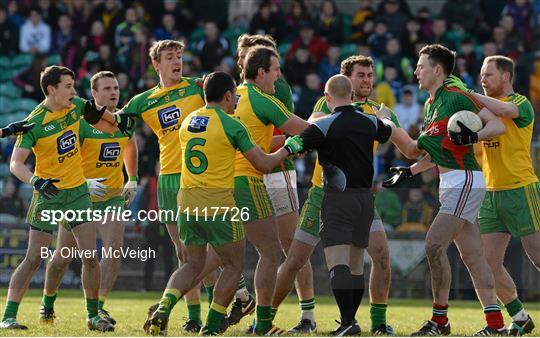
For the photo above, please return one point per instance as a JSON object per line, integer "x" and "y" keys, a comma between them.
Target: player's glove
{"x": 125, "y": 123}
{"x": 294, "y": 145}
{"x": 17, "y": 128}
{"x": 97, "y": 189}
{"x": 45, "y": 186}
{"x": 454, "y": 81}
{"x": 400, "y": 174}
{"x": 130, "y": 190}
{"x": 464, "y": 137}
{"x": 91, "y": 114}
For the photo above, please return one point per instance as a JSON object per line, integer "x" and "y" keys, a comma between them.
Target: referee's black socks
{"x": 342, "y": 287}
{"x": 358, "y": 286}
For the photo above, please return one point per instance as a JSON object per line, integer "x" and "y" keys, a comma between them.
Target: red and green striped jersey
{"x": 434, "y": 136}
{"x": 284, "y": 94}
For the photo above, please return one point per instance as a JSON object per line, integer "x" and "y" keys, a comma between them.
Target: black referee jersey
{"x": 344, "y": 142}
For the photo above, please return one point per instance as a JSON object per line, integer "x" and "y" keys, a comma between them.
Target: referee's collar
{"x": 345, "y": 109}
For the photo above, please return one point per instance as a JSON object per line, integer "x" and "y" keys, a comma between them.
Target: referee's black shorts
{"x": 346, "y": 217}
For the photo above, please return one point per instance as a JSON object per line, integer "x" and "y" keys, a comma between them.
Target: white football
{"x": 468, "y": 118}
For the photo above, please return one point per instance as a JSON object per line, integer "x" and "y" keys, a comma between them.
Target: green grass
{"x": 129, "y": 309}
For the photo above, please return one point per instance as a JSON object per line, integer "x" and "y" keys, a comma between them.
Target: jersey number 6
{"x": 193, "y": 166}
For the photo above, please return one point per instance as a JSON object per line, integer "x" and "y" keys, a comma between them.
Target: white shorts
{"x": 461, "y": 193}
{"x": 283, "y": 192}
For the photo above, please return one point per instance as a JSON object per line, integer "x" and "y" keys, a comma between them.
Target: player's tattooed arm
{"x": 499, "y": 108}
{"x": 492, "y": 125}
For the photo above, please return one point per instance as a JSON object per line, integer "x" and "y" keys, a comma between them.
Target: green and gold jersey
{"x": 434, "y": 136}
{"x": 259, "y": 112}
{"x": 284, "y": 94}
{"x": 506, "y": 159}
{"x": 164, "y": 109}
{"x": 55, "y": 143}
{"x": 210, "y": 139}
{"x": 367, "y": 106}
{"x": 103, "y": 157}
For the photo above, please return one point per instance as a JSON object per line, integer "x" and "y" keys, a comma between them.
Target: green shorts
{"x": 168, "y": 187}
{"x": 217, "y": 230}
{"x": 73, "y": 203}
{"x": 309, "y": 221}
{"x": 514, "y": 211}
{"x": 116, "y": 202}
{"x": 250, "y": 192}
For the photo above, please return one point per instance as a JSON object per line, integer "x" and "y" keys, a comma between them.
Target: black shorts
{"x": 346, "y": 217}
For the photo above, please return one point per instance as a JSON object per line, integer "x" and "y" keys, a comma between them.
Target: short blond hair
{"x": 163, "y": 45}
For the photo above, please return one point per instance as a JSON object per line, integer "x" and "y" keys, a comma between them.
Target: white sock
{"x": 520, "y": 316}
{"x": 309, "y": 314}
{"x": 242, "y": 294}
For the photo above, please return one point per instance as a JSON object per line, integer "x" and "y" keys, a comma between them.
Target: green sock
{"x": 241, "y": 283}
{"x": 514, "y": 307}
{"x": 48, "y": 301}
{"x": 100, "y": 302}
{"x": 264, "y": 318}
{"x": 210, "y": 294}
{"x": 91, "y": 307}
{"x": 194, "y": 311}
{"x": 378, "y": 315}
{"x": 273, "y": 313}
{"x": 168, "y": 300}
{"x": 215, "y": 314}
{"x": 11, "y": 310}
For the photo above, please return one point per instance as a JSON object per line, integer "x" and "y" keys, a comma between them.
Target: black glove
{"x": 464, "y": 137}
{"x": 45, "y": 186}
{"x": 91, "y": 114}
{"x": 400, "y": 174}
{"x": 125, "y": 123}
{"x": 17, "y": 128}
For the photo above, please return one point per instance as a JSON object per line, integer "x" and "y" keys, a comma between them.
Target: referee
{"x": 344, "y": 141}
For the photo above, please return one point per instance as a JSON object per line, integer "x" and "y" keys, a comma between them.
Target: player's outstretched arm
{"x": 267, "y": 162}
{"x": 492, "y": 125}
{"x": 294, "y": 125}
{"x": 405, "y": 144}
{"x": 16, "y": 128}
{"x": 278, "y": 141}
{"x": 499, "y": 108}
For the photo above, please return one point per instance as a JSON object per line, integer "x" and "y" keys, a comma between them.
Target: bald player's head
{"x": 338, "y": 91}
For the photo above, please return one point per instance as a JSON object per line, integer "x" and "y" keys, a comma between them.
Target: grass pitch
{"x": 130, "y": 308}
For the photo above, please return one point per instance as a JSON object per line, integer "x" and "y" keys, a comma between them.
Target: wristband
{"x": 133, "y": 178}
